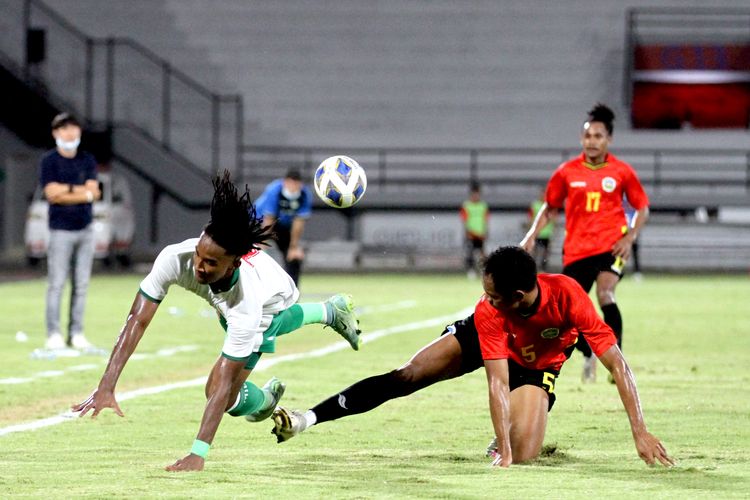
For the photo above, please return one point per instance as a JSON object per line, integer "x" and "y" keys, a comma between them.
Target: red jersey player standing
{"x": 598, "y": 240}
{"x": 527, "y": 326}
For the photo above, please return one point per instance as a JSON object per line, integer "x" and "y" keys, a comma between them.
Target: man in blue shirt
{"x": 287, "y": 203}
{"x": 68, "y": 178}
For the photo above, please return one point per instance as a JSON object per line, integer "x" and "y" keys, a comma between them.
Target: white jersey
{"x": 262, "y": 290}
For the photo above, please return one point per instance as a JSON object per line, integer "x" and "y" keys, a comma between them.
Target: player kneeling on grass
{"x": 527, "y": 326}
{"x": 522, "y": 330}
{"x": 255, "y": 300}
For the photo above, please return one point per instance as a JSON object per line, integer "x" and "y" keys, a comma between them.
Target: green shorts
{"x": 267, "y": 346}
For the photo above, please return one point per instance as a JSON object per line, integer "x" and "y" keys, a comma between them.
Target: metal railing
{"x": 118, "y": 81}
{"x": 393, "y": 167}
{"x": 115, "y": 80}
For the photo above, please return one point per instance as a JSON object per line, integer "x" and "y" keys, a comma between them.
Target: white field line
{"x": 168, "y": 351}
{"x": 263, "y": 364}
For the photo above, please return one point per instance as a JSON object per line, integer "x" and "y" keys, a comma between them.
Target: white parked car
{"x": 114, "y": 222}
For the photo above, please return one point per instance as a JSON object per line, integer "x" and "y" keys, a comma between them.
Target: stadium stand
{"x": 16, "y": 156}
{"x": 689, "y": 67}
{"x": 385, "y": 72}
{"x": 428, "y": 95}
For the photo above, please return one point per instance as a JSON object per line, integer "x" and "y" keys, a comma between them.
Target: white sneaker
{"x": 492, "y": 448}
{"x": 55, "y": 341}
{"x": 589, "y": 370}
{"x": 287, "y": 424}
{"x": 80, "y": 342}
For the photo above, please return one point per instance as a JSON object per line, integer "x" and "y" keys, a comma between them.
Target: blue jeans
{"x": 69, "y": 252}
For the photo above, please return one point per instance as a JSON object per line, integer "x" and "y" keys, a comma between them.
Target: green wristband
{"x": 200, "y": 448}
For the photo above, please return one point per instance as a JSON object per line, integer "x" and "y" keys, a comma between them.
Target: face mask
{"x": 68, "y": 145}
{"x": 289, "y": 195}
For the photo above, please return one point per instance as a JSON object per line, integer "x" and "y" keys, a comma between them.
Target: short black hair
{"x": 234, "y": 223}
{"x": 511, "y": 268}
{"x": 293, "y": 174}
{"x": 602, "y": 113}
{"x": 475, "y": 187}
{"x": 64, "y": 119}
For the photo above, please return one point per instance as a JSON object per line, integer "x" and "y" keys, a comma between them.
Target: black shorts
{"x": 468, "y": 338}
{"x": 542, "y": 242}
{"x": 586, "y": 270}
{"x": 475, "y": 243}
{"x": 471, "y": 359}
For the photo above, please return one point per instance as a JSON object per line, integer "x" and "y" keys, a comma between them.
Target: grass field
{"x": 686, "y": 338}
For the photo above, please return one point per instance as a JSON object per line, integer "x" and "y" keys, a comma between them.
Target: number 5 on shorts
{"x": 548, "y": 379}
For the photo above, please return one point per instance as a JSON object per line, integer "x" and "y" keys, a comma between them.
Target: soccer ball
{"x": 340, "y": 182}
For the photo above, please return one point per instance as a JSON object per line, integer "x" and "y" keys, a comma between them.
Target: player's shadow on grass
{"x": 552, "y": 456}
{"x": 701, "y": 478}
{"x": 707, "y": 477}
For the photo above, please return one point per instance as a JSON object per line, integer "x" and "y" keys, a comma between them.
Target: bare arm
{"x": 295, "y": 250}
{"x": 649, "y": 447}
{"x": 60, "y": 194}
{"x": 93, "y": 186}
{"x": 624, "y": 246}
{"x": 544, "y": 215}
{"x": 499, "y": 393}
{"x": 139, "y": 317}
{"x": 268, "y": 221}
{"x": 219, "y": 394}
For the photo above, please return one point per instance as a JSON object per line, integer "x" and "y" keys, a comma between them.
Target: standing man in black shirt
{"x": 68, "y": 178}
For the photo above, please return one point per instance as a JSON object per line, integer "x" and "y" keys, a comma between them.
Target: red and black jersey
{"x": 592, "y": 198}
{"x": 539, "y": 341}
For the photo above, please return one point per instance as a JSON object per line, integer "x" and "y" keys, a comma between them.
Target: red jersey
{"x": 539, "y": 341}
{"x": 594, "y": 217}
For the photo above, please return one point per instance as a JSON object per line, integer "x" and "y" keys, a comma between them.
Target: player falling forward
{"x": 523, "y": 329}
{"x": 598, "y": 239}
{"x": 255, "y": 300}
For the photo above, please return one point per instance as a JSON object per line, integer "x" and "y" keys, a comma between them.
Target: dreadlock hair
{"x": 511, "y": 268}
{"x": 234, "y": 224}
{"x": 602, "y": 113}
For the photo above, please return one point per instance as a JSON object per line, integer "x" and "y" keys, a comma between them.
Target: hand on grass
{"x": 97, "y": 401}
{"x": 189, "y": 463}
{"x": 650, "y": 449}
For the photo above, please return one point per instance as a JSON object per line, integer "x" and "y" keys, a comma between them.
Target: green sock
{"x": 252, "y": 399}
{"x": 298, "y": 315}
{"x": 314, "y": 312}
